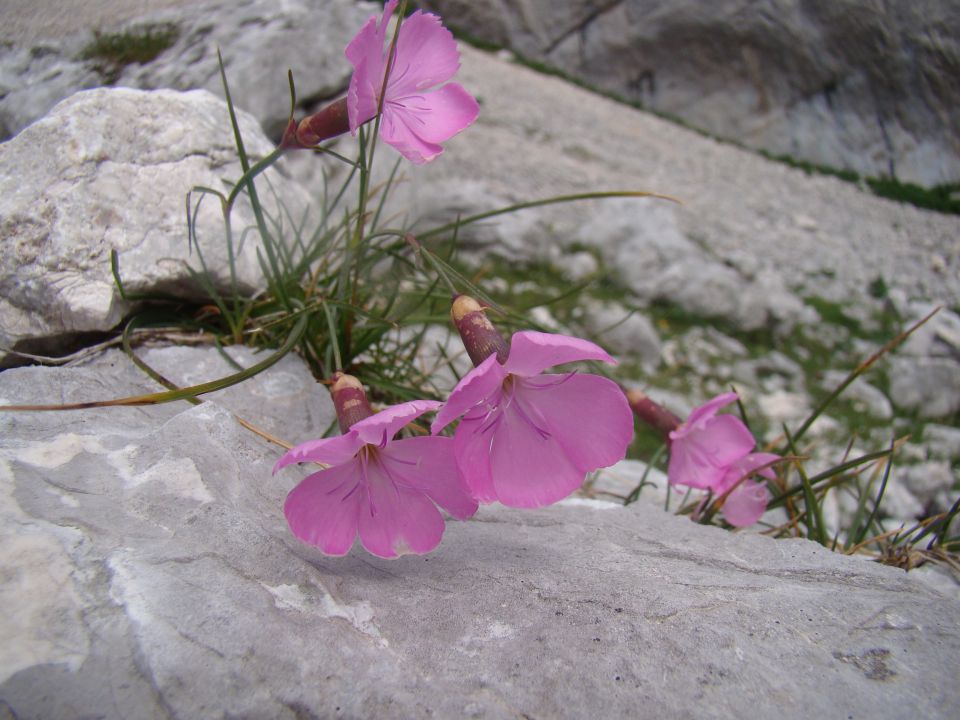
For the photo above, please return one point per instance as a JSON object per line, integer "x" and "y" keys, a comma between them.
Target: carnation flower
{"x": 380, "y": 488}
{"x": 714, "y": 452}
{"x": 416, "y": 114}
{"x": 704, "y": 446}
{"x": 528, "y": 438}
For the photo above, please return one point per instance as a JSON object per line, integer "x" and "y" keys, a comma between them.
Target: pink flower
{"x": 704, "y": 447}
{"x": 383, "y": 489}
{"x": 414, "y": 120}
{"x": 748, "y": 499}
{"x": 527, "y": 438}
{"x": 714, "y": 452}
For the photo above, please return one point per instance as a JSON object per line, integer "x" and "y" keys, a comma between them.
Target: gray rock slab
{"x": 110, "y": 169}
{"x": 148, "y": 572}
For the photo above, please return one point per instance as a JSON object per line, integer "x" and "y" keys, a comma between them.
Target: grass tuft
{"x": 112, "y": 52}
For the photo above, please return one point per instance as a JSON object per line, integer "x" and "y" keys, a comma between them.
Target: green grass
{"x": 112, "y": 52}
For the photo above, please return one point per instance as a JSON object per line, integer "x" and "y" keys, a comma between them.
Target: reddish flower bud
{"x": 479, "y": 336}
{"x": 653, "y": 414}
{"x": 349, "y": 400}
{"x": 330, "y": 122}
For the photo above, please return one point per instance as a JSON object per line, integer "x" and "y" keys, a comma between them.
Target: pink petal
{"x": 471, "y": 447}
{"x": 587, "y": 415}
{"x": 688, "y": 467}
{"x": 708, "y": 409}
{"x": 529, "y": 466}
{"x": 432, "y": 117}
{"x": 480, "y": 385}
{"x": 362, "y": 97}
{"x": 366, "y": 53}
{"x": 533, "y": 352}
{"x": 427, "y": 56}
{"x": 379, "y": 429}
{"x": 427, "y": 464}
{"x": 701, "y": 457}
{"x": 324, "y": 509}
{"x": 332, "y": 451}
{"x": 746, "y": 503}
{"x": 395, "y": 129}
{"x": 747, "y": 466}
{"x": 397, "y": 520}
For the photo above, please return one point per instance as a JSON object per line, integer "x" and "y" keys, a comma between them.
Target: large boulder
{"x": 109, "y": 169}
{"x": 259, "y": 40}
{"x": 148, "y": 572}
{"x": 873, "y": 87}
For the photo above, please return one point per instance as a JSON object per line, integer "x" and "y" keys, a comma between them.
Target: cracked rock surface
{"x": 148, "y": 572}
{"x": 109, "y": 169}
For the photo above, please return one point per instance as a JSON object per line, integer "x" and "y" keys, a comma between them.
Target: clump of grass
{"x": 112, "y": 52}
{"x": 813, "y": 168}
{"x": 942, "y": 198}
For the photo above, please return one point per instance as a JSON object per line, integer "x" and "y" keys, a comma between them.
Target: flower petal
{"x": 395, "y": 129}
{"x": 746, "y": 503}
{"x": 379, "y": 429}
{"x": 332, "y": 451}
{"x": 482, "y": 384}
{"x": 397, "y": 520}
{"x": 427, "y": 464}
{"x": 426, "y": 56}
{"x": 529, "y": 466}
{"x": 588, "y": 415}
{"x": 324, "y": 509}
{"x": 367, "y": 55}
{"x": 533, "y": 352}
{"x": 471, "y": 447}
{"x": 432, "y": 117}
{"x": 701, "y": 458}
{"x": 707, "y": 410}
{"x": 747, "y": 466}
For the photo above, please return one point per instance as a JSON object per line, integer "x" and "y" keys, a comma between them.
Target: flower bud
{"x": 349, "y": 400}
{"x": 328, "y": 123}
{"x": 653, "y": 414}
{"x": 479, "y": 336}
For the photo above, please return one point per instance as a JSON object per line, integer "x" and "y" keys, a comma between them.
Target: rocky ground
{"x": 762, "y": 277}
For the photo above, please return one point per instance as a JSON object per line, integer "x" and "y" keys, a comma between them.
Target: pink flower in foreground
{"x": 415, "y": 119}
{"x": 381, "y": 488}
{"x": 528, "y": 438}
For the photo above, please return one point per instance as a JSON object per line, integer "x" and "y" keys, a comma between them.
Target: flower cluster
{"x": 714, "y": 452}
{"x": 526, "y": 439}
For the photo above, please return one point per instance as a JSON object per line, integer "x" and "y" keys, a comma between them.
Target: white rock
{"x": 110, "y": 169}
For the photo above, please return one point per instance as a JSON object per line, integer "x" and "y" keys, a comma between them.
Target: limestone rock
{"x": 846, "y": 85}
{"x": 150, "y": 573}
{"x": 260, "y": 40}
{"x": 109, "y": 169}
{"x": 623, "y": 331}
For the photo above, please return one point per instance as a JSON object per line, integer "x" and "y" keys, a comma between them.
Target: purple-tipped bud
{"x": 653, "y": 414}
{"x": 349, "y": 400}
{"x": 330, "y": 122}
{"x": 478, "y": 334}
